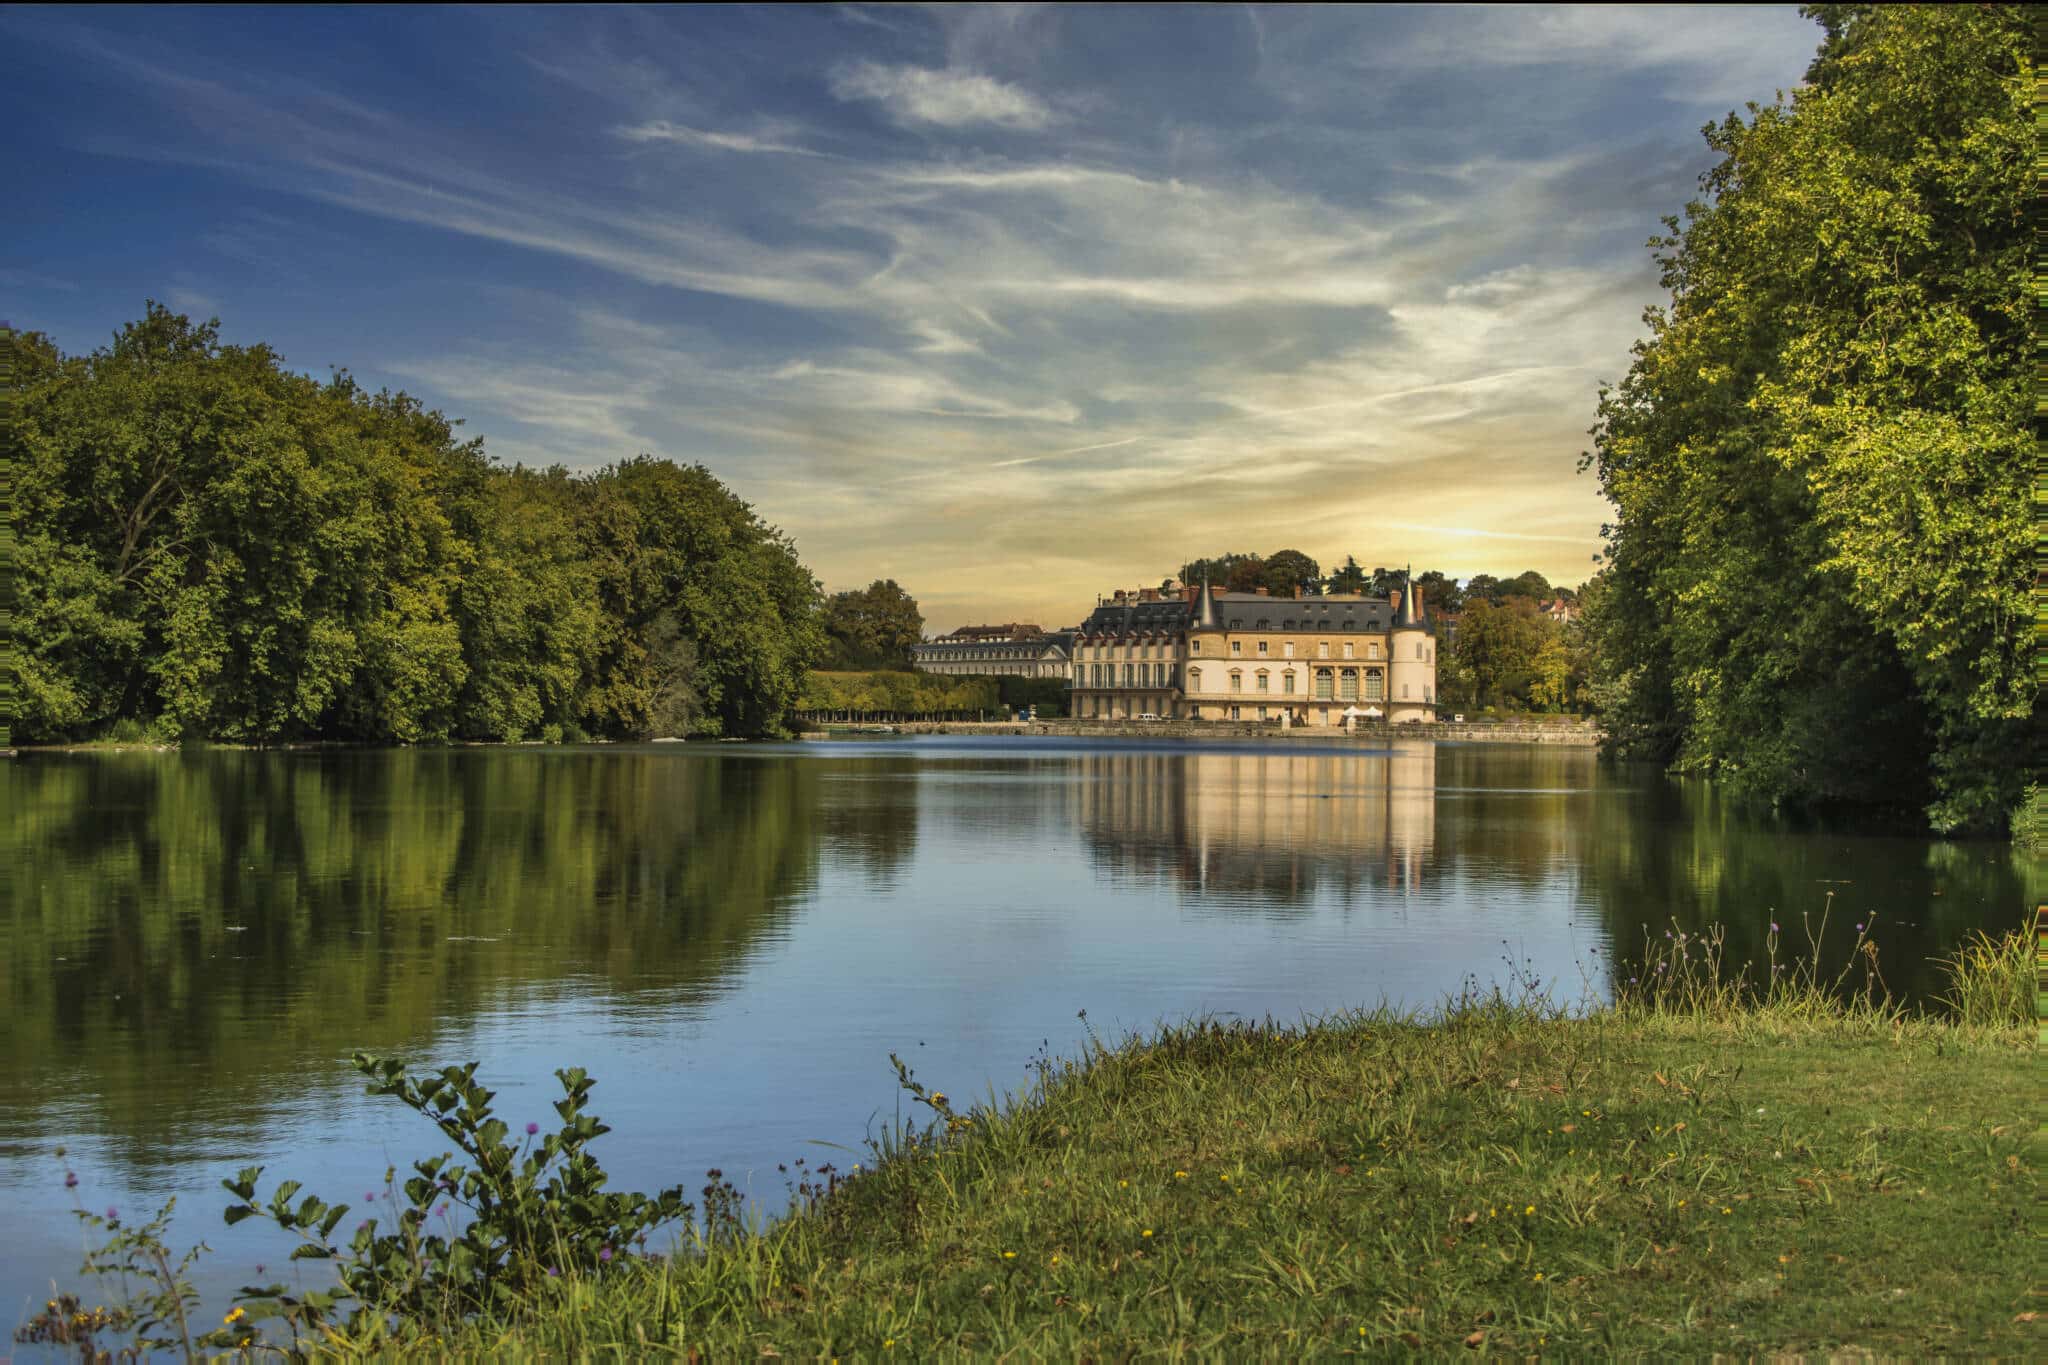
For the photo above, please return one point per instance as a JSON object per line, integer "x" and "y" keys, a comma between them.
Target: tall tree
{"x": 1349, "y": 579}
{"x": 1286, "y": 570}
{"x": 873, "y": 627}
{"x": 1818, "y": 570}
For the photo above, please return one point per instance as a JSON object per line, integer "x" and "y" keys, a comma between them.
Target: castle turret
{"x": 1411, "y": 669}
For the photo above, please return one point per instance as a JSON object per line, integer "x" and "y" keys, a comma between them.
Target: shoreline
{"x": 1572, "y": 734}
{"x": 1569, "y": 734}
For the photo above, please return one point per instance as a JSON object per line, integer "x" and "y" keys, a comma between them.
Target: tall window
{"x": 1347, "y": 649}
{"x": 1325, "y": 684}
{"x": 1194, "y": 680}
{"x": 1262, "y": 647}
{"x": 1237, "y": 646}
{"x": 1375, "y": 685}
{"x": 1194, "y": 646}
{"x": 1288, "y": 649}
{"x": 1322, "y": 649}
{"x": 1287, "y": 682}
{"x": 1265, "y": 683}
{"x": 1127, "y": 675}
{"x": 1418, "y": 649}
{"x": 1347, "y": 685}
{"x": 1236, "y": 681}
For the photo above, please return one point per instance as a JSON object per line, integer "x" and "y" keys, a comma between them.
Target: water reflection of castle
{"x": 1276, "y": 827}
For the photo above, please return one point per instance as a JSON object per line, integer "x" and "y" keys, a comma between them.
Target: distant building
{"x": 1127, "y": 655}
{"x": 1202, "y": 654}
{"x": 1559, "y": 610}
{"x": 1015, "y": 650}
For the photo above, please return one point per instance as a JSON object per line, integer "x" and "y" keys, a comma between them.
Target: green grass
{"x": 1770, "y": 1174}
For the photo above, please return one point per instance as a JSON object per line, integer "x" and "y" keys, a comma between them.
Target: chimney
{"x": 1148, "y": 594}
{"x": 1298, "y": 592}
{"x": 1119, "y": 594}
{"x": 1394, "y": 600}
{"x": 1188, "y": 591}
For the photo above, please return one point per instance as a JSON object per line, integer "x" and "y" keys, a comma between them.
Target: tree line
{"x": 1819, "y": 570}
{"x": 211, "y": 546}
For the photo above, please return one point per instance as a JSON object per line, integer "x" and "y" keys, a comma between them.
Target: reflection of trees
{"x": 1682, "y": 850}
{"x": 211, "y": 923}
{"x": 866, "y": 813}
{"x": 1274, "y": 828}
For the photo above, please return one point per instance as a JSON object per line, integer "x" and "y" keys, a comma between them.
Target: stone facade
{"x": 1324, "y": 662}
{"x": 1016, "y": 651}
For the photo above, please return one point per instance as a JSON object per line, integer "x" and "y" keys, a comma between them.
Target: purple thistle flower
{"x": 554, "y": 1274}
{"x": 443, "y": 1210}
{"x": 70, "y": 1180}
{"x": 1859, "y": 928}
{"x": 113, "y": 1214}
{"x": 532, "y": 1128}
{"x": 369, "y": 1196}
{"x": 259, "y": 1267}
{"x": 1774, "y": 926}
{"x": 604, "y": 1253}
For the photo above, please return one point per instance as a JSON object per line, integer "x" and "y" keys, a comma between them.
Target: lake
{"x": 734, "y": 938}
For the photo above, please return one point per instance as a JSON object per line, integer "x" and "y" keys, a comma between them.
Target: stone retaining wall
{"x": 1579, "y": 734}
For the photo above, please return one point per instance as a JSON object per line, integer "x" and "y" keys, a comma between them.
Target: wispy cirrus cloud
{"x": 661, "y": 130}
{"x": 941, "y": 98}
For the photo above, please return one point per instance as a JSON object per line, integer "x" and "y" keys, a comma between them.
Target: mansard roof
{"x": 1138, "y": 617}
{"x": 1253, "y": 611}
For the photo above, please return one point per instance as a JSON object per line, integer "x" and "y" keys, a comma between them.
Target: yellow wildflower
{"x": 1539, "y": 1277}
{"x": 1531, "y": 1209}
{"x": 1180, "y": 1175}
{"x": 233, "y": 1317}
{"x": 1009, "y": 1255}
{"x": 1146, "y": 1233}
{"x": 1123, "y": 1184}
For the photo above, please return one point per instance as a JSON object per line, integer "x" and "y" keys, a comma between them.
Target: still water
{"x": 733, "y": 938}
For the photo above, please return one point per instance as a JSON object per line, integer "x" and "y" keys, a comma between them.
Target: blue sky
{"x": 1013, "y": 304}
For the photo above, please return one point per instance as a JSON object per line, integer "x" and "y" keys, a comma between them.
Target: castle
{"x": 1204, "y": 654}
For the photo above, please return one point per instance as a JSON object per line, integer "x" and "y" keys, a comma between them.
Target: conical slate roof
{"x": 1413, "y": 616}
{"x": 1205, "y": 609}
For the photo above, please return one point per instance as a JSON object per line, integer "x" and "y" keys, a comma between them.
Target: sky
{"x": 1014, "y": 305}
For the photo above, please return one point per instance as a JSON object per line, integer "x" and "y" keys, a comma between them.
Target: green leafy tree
{"x": 1440, "y": 591}
{"x": 1818, "y": 572}
{"x": 1286, "y": 570}
{"x": 873, "y": 627}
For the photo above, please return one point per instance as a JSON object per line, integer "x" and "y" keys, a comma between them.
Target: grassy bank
{"x": 1689, "y": 1174}
{"x": 1700, "y": 1168}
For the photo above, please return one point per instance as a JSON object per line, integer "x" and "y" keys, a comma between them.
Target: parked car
{"x": 1148, "y": 716}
